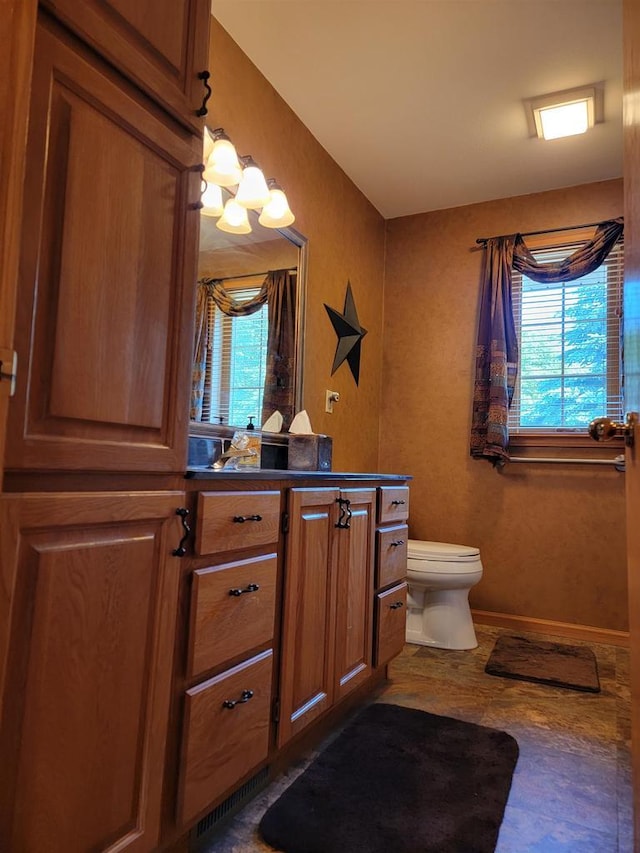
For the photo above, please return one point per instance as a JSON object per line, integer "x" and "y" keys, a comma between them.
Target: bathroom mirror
{"x": 239, "y": 374}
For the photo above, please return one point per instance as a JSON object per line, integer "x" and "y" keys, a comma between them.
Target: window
{"x": 569, "y": 336}
{"x": 236, "y": 363}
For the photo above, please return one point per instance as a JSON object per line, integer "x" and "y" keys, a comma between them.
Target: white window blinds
{"x": 236, "y": 363}
{"x": 569, "y": 336}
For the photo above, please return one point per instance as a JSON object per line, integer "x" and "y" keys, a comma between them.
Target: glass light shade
{"x": 234, "y": 219}
{"x": 253, "y": 191}
{"x": 564, "y": 120}
{"x": 223, "y": 167}
{"x": 207, "y": 145}
{"x": 212, "y": 201}
{"x": 276, "y": 213}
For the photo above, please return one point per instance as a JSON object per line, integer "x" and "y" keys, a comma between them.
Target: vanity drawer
{"x": 391, "y": 554}
{"x": 393, "y": 504}
{"x": 231, "y": 520}
{"x": 232, "y": 611}
{"x": 221, "y": 744}
{"x": 391, "y": 622}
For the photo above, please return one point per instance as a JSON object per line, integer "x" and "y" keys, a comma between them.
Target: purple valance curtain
{"x": 497, "y": 346}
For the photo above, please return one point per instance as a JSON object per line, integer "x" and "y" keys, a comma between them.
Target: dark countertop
{"x": 206, "y": 473}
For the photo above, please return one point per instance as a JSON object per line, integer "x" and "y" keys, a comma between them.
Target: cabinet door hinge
{"x": 284, "y": 525}
{"x": 9, "y": 368}
{"x": 275, "y": 714}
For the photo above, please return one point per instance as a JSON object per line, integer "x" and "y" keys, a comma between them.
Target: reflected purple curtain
{"x": 280, "y": 374}
{"x": 204, "y": 293}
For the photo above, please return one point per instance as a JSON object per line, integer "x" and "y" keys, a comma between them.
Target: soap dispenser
{"x": 250, "y": 425}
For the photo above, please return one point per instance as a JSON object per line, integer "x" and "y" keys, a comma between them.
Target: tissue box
{"x": 310, "y": 452}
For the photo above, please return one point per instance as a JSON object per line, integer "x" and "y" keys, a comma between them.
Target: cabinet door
{"x": 87, "y": 616}
{"x": 354, "y": 591}
{"x": 160, "y": 45}
{"x": 105, "y": 317}
{"x": 308, "y": 629}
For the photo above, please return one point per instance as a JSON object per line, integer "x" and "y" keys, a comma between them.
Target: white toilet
{"x": 440, "y": 576}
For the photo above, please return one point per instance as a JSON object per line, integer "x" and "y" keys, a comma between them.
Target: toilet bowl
{"x": 439, "y": 576}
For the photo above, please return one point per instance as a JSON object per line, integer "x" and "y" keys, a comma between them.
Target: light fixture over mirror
{"x": 223, "y": 168}
{"x": 247, "y": 363}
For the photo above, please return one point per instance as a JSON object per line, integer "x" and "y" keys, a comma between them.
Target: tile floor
{"x": 571, "y": 789}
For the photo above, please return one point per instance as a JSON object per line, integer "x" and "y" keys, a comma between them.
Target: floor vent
{"x": 206, "y": 827}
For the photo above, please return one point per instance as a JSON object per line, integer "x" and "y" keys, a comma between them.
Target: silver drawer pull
{"x": 397, "y": 503}
{"x": 252, "y": 587}
{"x": 396, "y": 605}
{"x": 240, "y": 519}
{"x": 244, "y": 697}
{"x": 397, "y": 542}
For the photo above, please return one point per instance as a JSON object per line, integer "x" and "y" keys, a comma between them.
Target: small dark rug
{"x": 398, "y": 780}
{"x": 574, "y": 667}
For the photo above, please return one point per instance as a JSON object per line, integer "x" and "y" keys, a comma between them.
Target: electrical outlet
{"x": 331, "y": 397}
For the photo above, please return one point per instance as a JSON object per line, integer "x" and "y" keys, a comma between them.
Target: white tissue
{"x": 273, "y": 423}
{"x": 301, "y": 425}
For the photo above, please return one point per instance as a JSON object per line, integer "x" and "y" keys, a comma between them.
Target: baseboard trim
{"x": 546, "y": 626}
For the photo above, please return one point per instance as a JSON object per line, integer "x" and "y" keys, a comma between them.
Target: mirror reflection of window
{"x": 235, "y": 362}
{"x": 248, "y": 366}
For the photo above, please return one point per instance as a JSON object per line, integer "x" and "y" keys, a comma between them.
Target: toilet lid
{"x": 445, "y": 552}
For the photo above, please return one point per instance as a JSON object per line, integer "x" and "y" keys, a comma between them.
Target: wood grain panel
{"x": 106, "y": 311}
{"x": 354, "y": 592}
{"x": 391, "y": 554}
{"x": 160, "y": 44}
{"x": 87, "y": 691}
{"x": 217, "y": 531}
{"x": 224, "y": 625}
{"x": 222, "y": 744}
{"x": 17, "y": 32}
{"x": 308, "y": 631}
{"x": 391, "y": 620}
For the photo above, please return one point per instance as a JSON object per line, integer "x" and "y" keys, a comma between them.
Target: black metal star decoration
{"x": 350, "y": 334}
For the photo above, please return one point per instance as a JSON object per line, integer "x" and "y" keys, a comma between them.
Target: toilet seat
{"x": 442, "y": 552}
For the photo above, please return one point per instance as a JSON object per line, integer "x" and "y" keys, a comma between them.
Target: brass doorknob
{"x": 604, "y": 429}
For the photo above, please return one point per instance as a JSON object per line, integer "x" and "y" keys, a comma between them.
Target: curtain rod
{"x": 546, "y": 231}
{"x": 248, "y": 275}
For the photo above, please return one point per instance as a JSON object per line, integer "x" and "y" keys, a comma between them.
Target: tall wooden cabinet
{"x": 108, "y": 229}
{"x": 107, "y": 272}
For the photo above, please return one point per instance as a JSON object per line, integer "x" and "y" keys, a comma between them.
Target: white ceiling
{"x": 420, "y": 101}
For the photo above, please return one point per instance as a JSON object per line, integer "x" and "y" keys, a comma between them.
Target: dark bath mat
{"x": 398, "y": 780}
{"x": 574, "y": 667}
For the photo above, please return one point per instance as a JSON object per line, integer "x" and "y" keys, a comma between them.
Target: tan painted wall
{"x": 346, "y": 242}
{"x": 551, "y": 538}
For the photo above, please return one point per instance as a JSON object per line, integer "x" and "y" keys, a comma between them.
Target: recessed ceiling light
{"x": 566, "y": 113}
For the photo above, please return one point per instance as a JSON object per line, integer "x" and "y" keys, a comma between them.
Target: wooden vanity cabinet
{"x": 326, "y": 628}
{"x": 227, "y": 703}
{"x": 392, "y": 535}
{"x": 87, "y": 632}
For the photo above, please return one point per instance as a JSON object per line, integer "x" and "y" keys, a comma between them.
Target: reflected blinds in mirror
{"x": 236, "y": 356}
